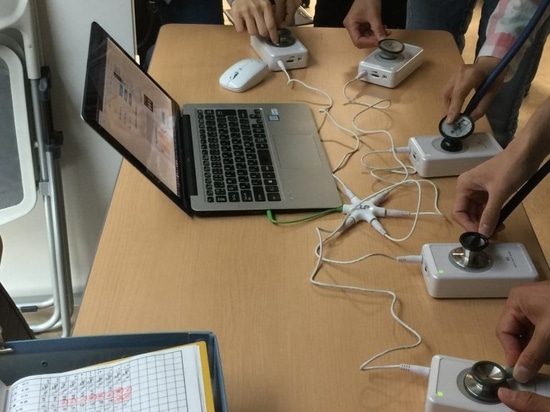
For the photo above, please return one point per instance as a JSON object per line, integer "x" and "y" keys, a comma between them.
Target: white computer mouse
{"x": 244, "y": 74}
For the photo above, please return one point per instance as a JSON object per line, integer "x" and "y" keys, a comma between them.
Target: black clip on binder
{"x": 34, "y": 357}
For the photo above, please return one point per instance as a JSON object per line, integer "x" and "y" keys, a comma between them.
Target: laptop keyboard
{"x": 235, "y": 154}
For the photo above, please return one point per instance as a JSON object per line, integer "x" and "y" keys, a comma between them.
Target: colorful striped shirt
{"x": 505, "y": 25}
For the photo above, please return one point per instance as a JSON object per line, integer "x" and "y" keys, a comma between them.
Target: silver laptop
{"x": 210, "y": 159}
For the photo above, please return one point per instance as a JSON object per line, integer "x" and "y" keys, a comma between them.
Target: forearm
{"x": 532, "y": 144}
{"x": 505, "y": 25}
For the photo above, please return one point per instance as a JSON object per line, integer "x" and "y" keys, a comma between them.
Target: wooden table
{"x": 287, "y": 345}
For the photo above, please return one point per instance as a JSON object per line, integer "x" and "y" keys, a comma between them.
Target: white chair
{"x": 35, "y": 148}
{"x": 17, "y": 177}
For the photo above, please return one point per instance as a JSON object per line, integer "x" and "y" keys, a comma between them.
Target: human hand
{"x": 524, "y": 332}
{"x": 524, "y": 329}
{"x": 285, "y": 12}
{"x": 263, "y": 18}
{"x": 523, "y": 401}
{"x": 469, "y": 77}
{"x": 364, "y": 25}
{"x": 481, "y": 191}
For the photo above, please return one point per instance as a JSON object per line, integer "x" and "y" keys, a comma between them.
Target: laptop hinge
{"x": 187, "y": 170}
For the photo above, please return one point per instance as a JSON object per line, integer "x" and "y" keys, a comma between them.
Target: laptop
{"x": 209, "y": 159}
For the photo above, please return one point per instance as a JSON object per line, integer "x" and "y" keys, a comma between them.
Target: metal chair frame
{"x": 18, "y": 23}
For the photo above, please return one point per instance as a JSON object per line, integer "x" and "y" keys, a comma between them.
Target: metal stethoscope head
{"x": 484, "y": 378}
{"x": 471, "y": 255}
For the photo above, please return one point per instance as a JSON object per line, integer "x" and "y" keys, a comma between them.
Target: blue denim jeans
{"x": 454, "y": 16}
{"x": 190, "y": 11}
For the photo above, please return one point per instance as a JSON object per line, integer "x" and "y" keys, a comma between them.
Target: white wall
{"x": 89, "y": 166}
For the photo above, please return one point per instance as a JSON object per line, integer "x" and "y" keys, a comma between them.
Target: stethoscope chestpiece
{"x": 483, "y": 379}
{"x": 286, "y": 38}
{"x": 472, "y": 255}
{"x": 454, "y": 133}
{"x": 390, "y": 48}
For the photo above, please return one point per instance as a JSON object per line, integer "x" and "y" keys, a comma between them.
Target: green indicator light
{"x": 440, "y": 394}
{"x": 441, "y": 271}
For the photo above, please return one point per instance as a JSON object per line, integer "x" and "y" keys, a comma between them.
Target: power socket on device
{"x": 289, "y": 50}
{"x": 431, "y": 160}
{"x": 452, "y": 388}
{"x": 451, "y": 272}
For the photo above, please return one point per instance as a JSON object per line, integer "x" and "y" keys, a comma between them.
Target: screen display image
{"x": 138, "y": 114}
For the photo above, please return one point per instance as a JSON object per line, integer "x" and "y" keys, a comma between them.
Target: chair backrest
{"x": 17, "y": 174}
{"x": 13, "y": 325}
{"x": 18, "y": 183}
{"x": 18, "y": 15}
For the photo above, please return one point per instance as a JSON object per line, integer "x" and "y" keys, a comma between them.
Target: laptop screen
{"x": 130, "y": 110}
{"x": 210, "y": 159}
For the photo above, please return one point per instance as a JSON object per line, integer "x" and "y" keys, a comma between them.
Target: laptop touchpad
{"x": 297, "y": 151}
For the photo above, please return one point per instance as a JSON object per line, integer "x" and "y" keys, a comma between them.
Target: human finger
{"x": 523, "y": 401}
{"x": 533, "y": 356}
{"x": 513, "y": 330}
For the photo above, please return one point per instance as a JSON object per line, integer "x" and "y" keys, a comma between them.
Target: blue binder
{"x": 34, "y": 357}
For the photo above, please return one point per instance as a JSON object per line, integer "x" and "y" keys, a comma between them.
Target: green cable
{"x": 273, "y": 220}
